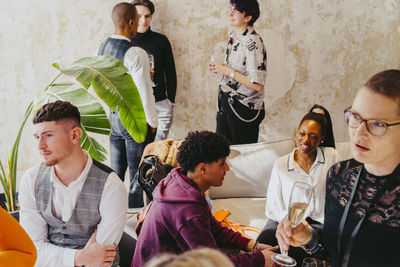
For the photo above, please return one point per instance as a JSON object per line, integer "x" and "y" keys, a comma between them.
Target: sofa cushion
{"x": 250, "y": 169}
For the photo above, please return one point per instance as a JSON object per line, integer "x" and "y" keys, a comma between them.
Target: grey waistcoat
{"x": 74, "y": 233}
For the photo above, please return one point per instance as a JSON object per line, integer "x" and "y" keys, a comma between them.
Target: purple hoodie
{"x": 180, "y": 220}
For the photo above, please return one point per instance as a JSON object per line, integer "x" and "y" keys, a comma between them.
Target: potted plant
{"x": 108, "y": 78}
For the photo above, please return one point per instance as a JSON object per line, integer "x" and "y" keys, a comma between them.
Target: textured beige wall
{"x": 318, "y": 52}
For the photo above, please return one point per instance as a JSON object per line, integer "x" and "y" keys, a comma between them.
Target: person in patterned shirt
{"x": 241, "y": 89}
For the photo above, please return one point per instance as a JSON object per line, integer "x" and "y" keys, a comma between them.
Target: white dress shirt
{"x": 113, "y": 206}
{"x": 137, "y": 62}
{"x": 286, "y": 172}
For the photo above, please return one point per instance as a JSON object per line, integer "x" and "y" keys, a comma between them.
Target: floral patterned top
{"x": 378, "y": 198}
{"x": 247, "y": 55}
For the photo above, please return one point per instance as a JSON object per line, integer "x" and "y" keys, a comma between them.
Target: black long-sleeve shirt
{"x": 164, "y": 66}
{"x": 377, "y": 242}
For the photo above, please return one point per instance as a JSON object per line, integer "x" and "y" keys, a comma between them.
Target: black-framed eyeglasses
{"x": 375, "y": 127}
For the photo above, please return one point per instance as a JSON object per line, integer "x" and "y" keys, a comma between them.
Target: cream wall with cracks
{"x": 318, "y": 52}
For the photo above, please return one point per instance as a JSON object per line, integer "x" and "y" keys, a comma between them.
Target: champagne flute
{"x": 300, "y": 197}
{"x": 211, "y": 64}
{"x": 151, "y": 60}
{"x": 214, "y": 59}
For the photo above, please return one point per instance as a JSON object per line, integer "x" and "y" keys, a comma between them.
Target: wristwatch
{"x": 232, "y": 75}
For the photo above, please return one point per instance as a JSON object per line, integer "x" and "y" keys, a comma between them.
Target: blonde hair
{"x": 203, "y": 257}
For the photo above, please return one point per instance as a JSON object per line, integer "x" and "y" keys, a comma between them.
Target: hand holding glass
{"x": 151, "y": 60}
{"x": 300, "y": 198}
{"x": 211, "y": 64}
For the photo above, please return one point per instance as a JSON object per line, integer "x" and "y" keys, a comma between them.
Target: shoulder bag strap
{"x": 346, "y": 255}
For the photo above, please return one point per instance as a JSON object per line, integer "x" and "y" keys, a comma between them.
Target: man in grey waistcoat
{"x": 72, "y": 207}
{"x": 124, "y": 150}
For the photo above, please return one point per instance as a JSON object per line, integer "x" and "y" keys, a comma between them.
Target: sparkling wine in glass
{"x": 151, "y": 60}
{"x": 300, "y": 197}
{"x": 297, "y": 211}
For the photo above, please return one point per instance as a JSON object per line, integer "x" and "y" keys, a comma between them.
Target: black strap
{"x": 343, "y": 221}
{"x": 346, "y": 255}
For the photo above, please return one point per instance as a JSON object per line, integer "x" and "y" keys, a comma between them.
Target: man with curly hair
{"x": 241, "y": 88}
{"x": 180, "y": 218}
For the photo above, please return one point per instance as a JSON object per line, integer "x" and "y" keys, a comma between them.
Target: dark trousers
{"x": 126, "y": 248}
{"x": 126, "y": 152}
{"x": 267, "y": 236}
{"x": 233, "y": 128}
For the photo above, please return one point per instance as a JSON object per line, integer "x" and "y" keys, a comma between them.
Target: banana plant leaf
{"x": 9, "y": 179}
{"x": 110, "y": 81}
{"x": 93, "y": 117}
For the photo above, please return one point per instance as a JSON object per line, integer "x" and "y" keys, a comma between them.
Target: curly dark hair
{"x": 249, "y": 7}
{"x": 57, "y": 111}
{"x": 201, "y": 147}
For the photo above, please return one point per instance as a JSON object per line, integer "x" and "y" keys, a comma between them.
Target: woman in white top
{"x": 309, "y": 162}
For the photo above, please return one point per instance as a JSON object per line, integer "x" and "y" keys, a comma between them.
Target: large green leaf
{"x": 93, "y": 117}
{"x": 109, "y": 79}
{"x": 4, "y": 183}
{"x": 94, "y": 149}
{"x": 9, "y": 179}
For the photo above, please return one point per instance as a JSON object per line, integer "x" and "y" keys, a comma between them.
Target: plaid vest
{"x": 76, "y": 232}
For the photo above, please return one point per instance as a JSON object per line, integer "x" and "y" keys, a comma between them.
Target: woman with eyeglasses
{"x": 362, "y": 207}
{"x": 309, "y": 162}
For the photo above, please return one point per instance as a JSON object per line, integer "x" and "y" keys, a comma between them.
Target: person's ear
{"x": 247, "y": 19}
{"x": 131, "y": 22}
{"x": 76, "y": 135}
{"x": 202, "y": 167}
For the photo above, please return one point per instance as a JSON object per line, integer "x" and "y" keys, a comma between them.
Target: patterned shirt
{"x": 246, "y": 55}
{"x": 384, "y": 211}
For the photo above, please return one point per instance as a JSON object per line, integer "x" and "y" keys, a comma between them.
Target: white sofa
{"x": 245, "y": 185}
